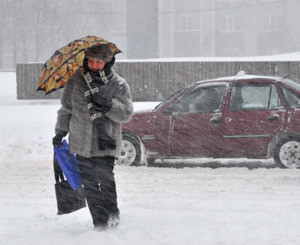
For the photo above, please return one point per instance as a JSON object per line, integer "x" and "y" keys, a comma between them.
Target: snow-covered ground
{"x": 202, "y": 205}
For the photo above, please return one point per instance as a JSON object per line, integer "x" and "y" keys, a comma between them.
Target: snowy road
{"x": 159, "y": 206}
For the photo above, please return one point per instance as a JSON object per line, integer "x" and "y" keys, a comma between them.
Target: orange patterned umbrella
{"x": 66, "y": 61}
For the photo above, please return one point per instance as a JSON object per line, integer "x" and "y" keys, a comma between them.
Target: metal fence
{"x": 155, "y": 81}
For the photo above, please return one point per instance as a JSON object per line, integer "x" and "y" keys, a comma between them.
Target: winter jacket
{"x": 74, "y": 117}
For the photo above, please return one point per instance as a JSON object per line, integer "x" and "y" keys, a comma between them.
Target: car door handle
{"x": 274, "y": 117}
{"x": 215, "y": 120}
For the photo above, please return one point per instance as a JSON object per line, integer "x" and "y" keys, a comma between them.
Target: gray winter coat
{"x": 74, "y": 117}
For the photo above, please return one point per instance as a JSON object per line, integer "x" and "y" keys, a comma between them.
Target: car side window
{"x": 204, "y": 99}
{"x": 274, "y": 101}
{"x": 292, "y": 99}
{"x": 253, "y": 96}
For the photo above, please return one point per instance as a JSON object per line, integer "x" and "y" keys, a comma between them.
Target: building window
{"x": 231, "y": 23}
{"x": 186, "y": 22}
{"x": 272, "y": 23}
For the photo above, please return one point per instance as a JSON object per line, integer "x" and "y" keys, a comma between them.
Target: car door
{"x": 255, "y": 114}
{"x": 292, "y": 100}
{"x": 195, "y": 123}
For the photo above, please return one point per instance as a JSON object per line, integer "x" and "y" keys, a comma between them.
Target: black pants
{"x": 100, "y": 187}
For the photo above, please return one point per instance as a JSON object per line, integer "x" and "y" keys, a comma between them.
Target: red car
{"x": 232, "y": 117}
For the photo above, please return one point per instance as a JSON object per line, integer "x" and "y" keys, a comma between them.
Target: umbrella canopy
{"x": 66, "y": 61}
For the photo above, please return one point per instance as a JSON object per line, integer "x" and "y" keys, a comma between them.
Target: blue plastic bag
{"x": 68, "y": 164}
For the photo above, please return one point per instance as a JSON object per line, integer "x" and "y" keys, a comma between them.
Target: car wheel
{"x": 287, "y": 153}
{"x": 130, "y": 151}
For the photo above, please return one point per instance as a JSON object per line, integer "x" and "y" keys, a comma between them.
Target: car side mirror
{"x": 169, "y": 111}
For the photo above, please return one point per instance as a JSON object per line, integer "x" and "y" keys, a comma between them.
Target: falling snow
{"x": 232, "y": 204}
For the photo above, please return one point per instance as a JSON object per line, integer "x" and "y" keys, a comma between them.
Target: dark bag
{"x": 68, "y": 200}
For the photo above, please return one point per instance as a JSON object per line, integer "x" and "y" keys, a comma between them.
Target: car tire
{"x": 287, "y": 153}
{"x": 130, "y": 151}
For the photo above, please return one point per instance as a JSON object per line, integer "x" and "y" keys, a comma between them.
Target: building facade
{"x": 142, "y": 29}
{"x": 228, "y": 27}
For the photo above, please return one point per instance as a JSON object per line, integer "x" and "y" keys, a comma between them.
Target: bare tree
{"x": 6, "y": 24}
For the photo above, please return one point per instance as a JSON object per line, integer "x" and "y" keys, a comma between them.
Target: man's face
{"x": 96, "y": 64}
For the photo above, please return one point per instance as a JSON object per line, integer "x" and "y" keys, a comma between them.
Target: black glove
{"x": 104, "y": 140}
{"x": 57, "y": 139}
{"x": 102, "y": 104}
{"x": 106, "y": 143}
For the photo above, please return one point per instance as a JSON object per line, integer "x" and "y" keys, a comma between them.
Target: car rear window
{"x": 254, "y": 96}
{"x": 292, "y": 99}
{"x": 292, "y": 84}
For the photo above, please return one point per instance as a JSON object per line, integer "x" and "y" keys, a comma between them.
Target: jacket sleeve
{"x": 65, "y": 112}
{"x": 122, "y": 107}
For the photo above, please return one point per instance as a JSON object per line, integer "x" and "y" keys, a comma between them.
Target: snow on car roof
{"x": 241, "y": 75}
